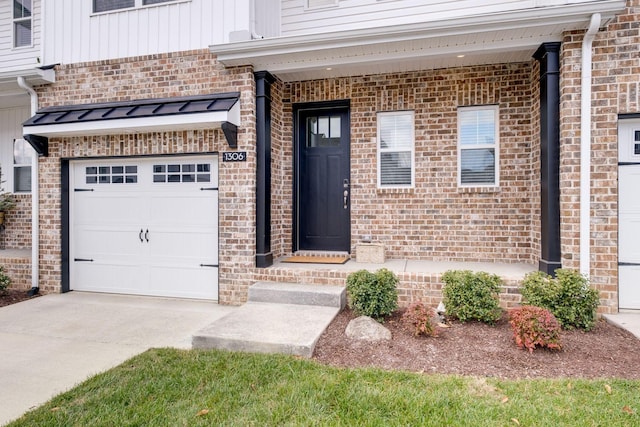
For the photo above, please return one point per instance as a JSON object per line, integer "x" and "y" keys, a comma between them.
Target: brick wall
{"x": 615, "y": 90}
{"x": 157, "y": 76}
{"x": 436, "y": 220}
{"x": 17, "y": 222}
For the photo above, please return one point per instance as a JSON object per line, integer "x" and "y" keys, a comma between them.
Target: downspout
{"x": 35, "y": 198}
{"x": 585, "y": 147}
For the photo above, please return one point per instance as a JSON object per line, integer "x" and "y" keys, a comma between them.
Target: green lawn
{"x": 167, "y": 387}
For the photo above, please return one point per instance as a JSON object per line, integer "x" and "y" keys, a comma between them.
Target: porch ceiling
{"x": 497, "y": 38}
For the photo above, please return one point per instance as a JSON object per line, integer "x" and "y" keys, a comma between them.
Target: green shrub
{"x": 5, "y": 280}
{"x": 472, "y": 296}
{"x": 569, "y": 297}
{"x": 373, "y": 295}
{"x": 534, "y": 326}
{"x": 419, "y": 319}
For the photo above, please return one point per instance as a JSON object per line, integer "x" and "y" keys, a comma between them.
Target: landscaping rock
{"x": 366, "y": 329}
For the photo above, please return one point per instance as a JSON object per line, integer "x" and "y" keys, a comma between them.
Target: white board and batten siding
{"x": 344, "y": 15}
{"x": 20, "y": 58}
{"x": 75, "y": 34}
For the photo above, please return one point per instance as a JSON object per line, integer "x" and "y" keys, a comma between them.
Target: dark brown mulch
{"x": 481, "y": 350}
{"x": 13, "y": 296}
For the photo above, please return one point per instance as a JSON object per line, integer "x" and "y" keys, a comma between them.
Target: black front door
{"x": 322, "y": 178}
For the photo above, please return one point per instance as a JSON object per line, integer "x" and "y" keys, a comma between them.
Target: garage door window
{"x": 111, "y": 174}
{"x": 190, "y": 172}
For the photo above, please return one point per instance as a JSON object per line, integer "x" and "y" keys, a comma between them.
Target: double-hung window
{"x": 396, "y": 149}
{"x": 106, "y": 5}
{"x": 478, "y": 155}
{"x": 22, "y": 23}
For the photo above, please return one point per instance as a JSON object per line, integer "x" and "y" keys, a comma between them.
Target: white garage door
{"x": 629, "y": 214}
{"x": 145, "y": 226}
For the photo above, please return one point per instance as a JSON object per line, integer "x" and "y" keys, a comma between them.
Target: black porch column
{"x": 264, "y": 257}
{"x": 548, "y": 55}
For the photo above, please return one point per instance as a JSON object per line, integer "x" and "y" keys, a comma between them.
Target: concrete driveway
{"x": 51, "y": 343}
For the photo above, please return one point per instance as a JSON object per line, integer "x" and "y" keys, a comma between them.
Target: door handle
{"x": 146, "y": 235}
{"x": 140, "y": 235}
{"x": 345, "y": 199}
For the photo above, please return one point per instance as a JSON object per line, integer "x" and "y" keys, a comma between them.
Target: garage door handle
{"x": 146, "y": 236}
{"x": 140, "y": 235}
{"x": 82, "y": 260}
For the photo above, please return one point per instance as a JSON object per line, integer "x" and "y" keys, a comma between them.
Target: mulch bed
{"x": 13, "y": 296}
{"x": 481, "y": 350}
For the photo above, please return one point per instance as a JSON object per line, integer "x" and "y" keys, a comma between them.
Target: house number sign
{"x": 234, "y": 156}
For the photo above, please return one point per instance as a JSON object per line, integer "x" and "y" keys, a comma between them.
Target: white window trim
{"x": 14, "y": 21}
{"x": 138, "y": 5}
{"x": 380, "y": 150}
{"x": 495, "y": 146}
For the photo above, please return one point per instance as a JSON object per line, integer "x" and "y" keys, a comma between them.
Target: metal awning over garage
{"x": 139, "y": 116}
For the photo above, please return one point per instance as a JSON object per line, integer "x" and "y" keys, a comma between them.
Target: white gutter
{"x": 585, "y": 147}
{"x": 35, "y": 198}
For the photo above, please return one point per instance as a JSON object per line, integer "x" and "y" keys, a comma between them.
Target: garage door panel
{"x": 198, "y": 245}
{"x": 116, "y": 277}
{"x": 184, "y": 282}
{"x": 107, "y": 242}
{"x": 109, "y": 209}
{"x": 196, "y": 209}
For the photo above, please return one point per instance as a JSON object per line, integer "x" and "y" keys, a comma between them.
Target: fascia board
{"x": 32, "y": 75}
{"x": 247, "y": 52}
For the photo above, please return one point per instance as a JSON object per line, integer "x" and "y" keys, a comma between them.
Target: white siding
{"x": 356, "y": 14}
{"x": 10, "y": 128}
{"x": 267, "y": 18}
{"x": 75, "y": 34}
{"x": 13, "y": 59}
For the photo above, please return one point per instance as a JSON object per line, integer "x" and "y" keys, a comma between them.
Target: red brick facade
{"x": 436, "y": 219}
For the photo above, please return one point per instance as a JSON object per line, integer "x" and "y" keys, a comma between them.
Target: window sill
{"x": 396, "y": 190}
{"x": 478, "y": 190}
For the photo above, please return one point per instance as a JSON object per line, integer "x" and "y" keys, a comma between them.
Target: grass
{"x": 168, "y": 387}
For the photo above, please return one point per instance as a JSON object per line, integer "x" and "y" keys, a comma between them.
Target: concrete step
{"x": 296, "y": 293}
{"x": 265, "y": 327}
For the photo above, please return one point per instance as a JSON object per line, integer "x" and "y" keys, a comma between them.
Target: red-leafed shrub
{"x": 534, "y": 327}
{"x": 420, "y": 319}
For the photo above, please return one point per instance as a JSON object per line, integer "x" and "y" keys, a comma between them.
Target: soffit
{"x": 496, "y": 38}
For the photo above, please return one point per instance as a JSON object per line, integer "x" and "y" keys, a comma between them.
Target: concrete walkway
{"x": 51, "y": 343}
{"x": 626, "y": 319}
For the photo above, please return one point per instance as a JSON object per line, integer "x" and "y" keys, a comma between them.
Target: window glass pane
{"x": 131, "y": 169}
{"x": 21, "y": 8}
{"x": 22, "y": 178}
{"x": 204, "y": 177}
{"x": 22, "y": 152}
{"x": 104, "y": 5}
{"x": 396, "y": 132}
{"x": 323, "y": 131}
{"x": 117, "y": 179}
{"x": 173, "y": 168}
{"x": 477, "y": 127}
{"x": 131, "y": 179}
{"x": 117, "y": 169}
{"x": 174, "y": 178}
{"x": 477, "y": 166}
{"x": 204, "y": 167}
{"x": 145, "y": 2}
{"x": 395, "y": 168}
{"x": 189, "y": 178}
{"x": 188, "y": 168}
{"x": 92, "y": 170}
{"x": 22, "y": 33}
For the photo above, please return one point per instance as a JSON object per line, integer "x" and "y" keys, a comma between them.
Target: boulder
{"x": 367, "y": 329}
